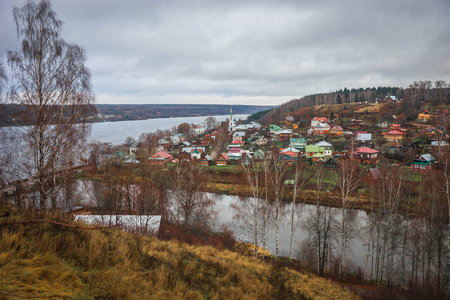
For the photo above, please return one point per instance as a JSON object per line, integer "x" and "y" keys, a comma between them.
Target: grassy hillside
{"x": 49, "y": 260}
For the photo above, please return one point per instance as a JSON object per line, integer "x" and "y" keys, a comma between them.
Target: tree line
{"x": 414, "y": 95}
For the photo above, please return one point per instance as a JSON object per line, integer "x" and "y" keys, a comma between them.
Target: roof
{"x": 207, "y": 157}
{"x": 337, "y": 128}
{"x": 395, "y": 132}
{"x": 364, "y": 136}
{"x": 238, "y": 142}
{"x": 376, "y": 174}
{"x": 198, "y": 151}
{"x": 289, "y": 118}
{"x": 320, "y": 119}
{"x": 322, "y": 125}
{"x": 313, "y": 148}
{"x": 147, "y": 223}
{"x": 366, "y": 150}
{"x": 291, "y": 149}
{"x": 323, "y": 144}
{"x": 161, "y": 154}
{"x": 225, "y": 156}
{"x": 290, "y": 153}
{"x": 318, "y": 155}
{"x": 427, "y": 157}
{"x": 286, "y": 131}
{"x": 239, "y": 133}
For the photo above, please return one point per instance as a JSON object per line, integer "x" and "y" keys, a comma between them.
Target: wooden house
{"x": 423, "y": 163}
{"x": 330, "y": 163}
{"x": 196, "y": 153}
{"x": 289, "y": 156}
{"x": 222, "y": 160}
{"x": 318, "y": 158}
{"x": 310, "y": 150}
{"x": 322, "y": 129}
{"x": 298, "y": 143}
{"x": 327, "y": 148}
{"x": 366, "y": 155}
{"x": 394, "y": 136}
{"x": 372, "y": 175}
{"x": 286, "y": 134}
{"x": 160, "y": 158}
{"x": 337, "y": 130}
{"x": 206, "y": 161}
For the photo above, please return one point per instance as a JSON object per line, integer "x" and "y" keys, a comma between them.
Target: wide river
{"x": 116, "y": 132}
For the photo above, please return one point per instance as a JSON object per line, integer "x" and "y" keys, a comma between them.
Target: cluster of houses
{"x": 252, "y": 141}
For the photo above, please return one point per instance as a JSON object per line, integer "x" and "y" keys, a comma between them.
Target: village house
{"x": 222, "y": 160}
{"x": 357, "y": 124}
{"x": 275, "y": 129}
{"x": 234, "y": 148}
{"x": 439, "y": 146}
{"x": 327, "y": 148}
{"x": 298, "y": 143}
{"x": 364, "y": 139}
{"x": 317, "y": 120}
{"x": 393, "y": 136}
{"x": 391, "y": 148}
{"x": 424, "y": 116}
{"x": 206, "y": 161}
{"x": 160, "y": 158}
{"x": 337, "y": 130}
{"x": 322, "y": 129}
{"x": 190, "y": 149}
{"x": 310, "y": 150}
{"x": 196, "y": 153}
{"x": 261, "y": 141}
{"x": 289, "y": 149}
{"x": 391, "y": 99}
{"x": 372, "y": 175}
{"x": 285, "y": 134}
{"x": 318, "y": 158}
{"x": 258, "y": 155}
{"x": 238, "y": 135}
{"x": 423, "y": 163}
{"x": 176, "y": 139}
{"x": 330, "y": 163}
{"x": 198, "y": 129}
{"x": 289, "y": 156}
{"x": 366, "y": 156}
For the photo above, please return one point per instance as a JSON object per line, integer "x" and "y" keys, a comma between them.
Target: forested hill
{"x": 14, "y": 114}
{"x": 119, "y": 112}
{"x": 413, "y": 96}
{"x": 345, "y": 95}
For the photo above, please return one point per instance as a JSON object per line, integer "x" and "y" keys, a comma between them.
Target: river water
{"x": 227, "y": 216}
{"x": 116, "y": 132}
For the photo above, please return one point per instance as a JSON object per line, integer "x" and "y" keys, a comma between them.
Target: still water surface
{"x": 116, "y": 132}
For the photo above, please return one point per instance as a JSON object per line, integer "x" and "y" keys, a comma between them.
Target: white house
{"x": 327, "y": 147}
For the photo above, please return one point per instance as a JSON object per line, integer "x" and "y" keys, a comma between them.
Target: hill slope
{"x": 46, "y": 260}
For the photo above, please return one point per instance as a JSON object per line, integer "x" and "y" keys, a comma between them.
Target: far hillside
{"x": 119, "y": 112}
{"x": 414, "y": 97}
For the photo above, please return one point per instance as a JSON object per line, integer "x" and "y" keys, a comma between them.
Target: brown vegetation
{"x": 44, "y": 260}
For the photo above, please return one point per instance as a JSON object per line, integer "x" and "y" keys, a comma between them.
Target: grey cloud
{"x": 250, "y": 50}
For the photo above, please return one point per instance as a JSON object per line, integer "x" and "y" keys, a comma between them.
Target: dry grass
{"x": 45, "y": 260}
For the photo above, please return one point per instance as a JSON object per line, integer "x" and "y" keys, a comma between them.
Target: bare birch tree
{"x": 278, "y": 175}
{"x": 298, "y": 182}
{"x": 190, "y": 206}
{"x": 252, "y": 176}
{"x": 348, "y": 178}
{"x": 51, "y": 82}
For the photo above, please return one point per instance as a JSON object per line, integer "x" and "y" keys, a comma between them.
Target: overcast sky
{"x": 249, "y": 52}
